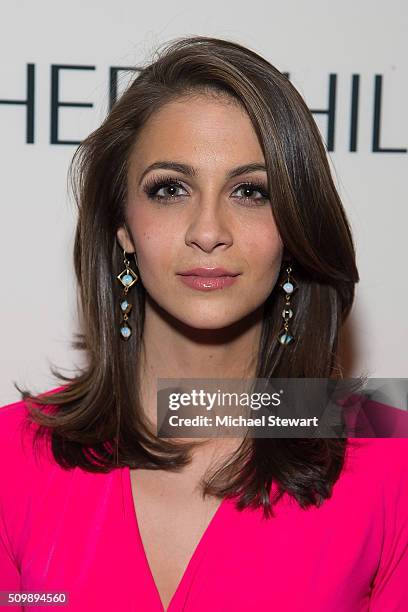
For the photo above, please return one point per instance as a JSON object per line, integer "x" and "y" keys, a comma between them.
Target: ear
{"x": 125, "y": 240}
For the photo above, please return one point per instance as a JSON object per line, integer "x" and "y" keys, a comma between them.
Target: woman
{"x": 209, "y": 160}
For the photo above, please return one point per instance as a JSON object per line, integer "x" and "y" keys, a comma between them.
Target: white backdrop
{"x": 309, "y": 40}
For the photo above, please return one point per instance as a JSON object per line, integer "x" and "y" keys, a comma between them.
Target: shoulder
{"x": 14, "y": 418}
{"x": 380, "y": 451}
{"x": 372, "y": 418}
{"x": 17, "y": 432}
{"x": 385, "y": 462}
{"x": 12, "y": 414}
{"x": 27, "y": 464}
{"x": 26, "y": 474}
{"x": 379, "y": 465}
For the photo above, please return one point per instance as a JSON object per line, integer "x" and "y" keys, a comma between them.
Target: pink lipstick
{"x": 208, "y": 279}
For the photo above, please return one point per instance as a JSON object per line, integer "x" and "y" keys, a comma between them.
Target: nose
{"x": 208, "y": 226}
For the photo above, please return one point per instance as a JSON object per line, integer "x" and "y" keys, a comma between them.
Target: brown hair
{"x": 96, "y": 421}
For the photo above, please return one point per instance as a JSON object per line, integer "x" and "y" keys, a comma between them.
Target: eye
{"x": 249, "y": 188}
{"x": 168, "y": 185}
{"x": 170, "y": 190}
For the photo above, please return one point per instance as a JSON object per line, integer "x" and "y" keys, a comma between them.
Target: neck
{"x": 172, "y": 349}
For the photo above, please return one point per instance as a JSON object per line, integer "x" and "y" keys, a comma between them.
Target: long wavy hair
{"x": 95, "y": 419}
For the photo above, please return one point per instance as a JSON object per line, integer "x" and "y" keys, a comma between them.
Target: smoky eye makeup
{"x": 174, "y": 186}
{"x": 154, "y": 184}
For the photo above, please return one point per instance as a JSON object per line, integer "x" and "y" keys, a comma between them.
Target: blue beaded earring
{"x": 288, "y": 286}
{"x": 128, "y": 278}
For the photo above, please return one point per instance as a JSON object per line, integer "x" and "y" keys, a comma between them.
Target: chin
{"x": 202, "y": 315}
{"x": 208, "y": 324}
{"x": 207, "y": 320}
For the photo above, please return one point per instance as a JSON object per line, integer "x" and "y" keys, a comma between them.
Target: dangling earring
{"x": 128, "y": 278}
{"x": 288, "y": 287}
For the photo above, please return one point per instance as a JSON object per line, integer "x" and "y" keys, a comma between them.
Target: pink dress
{"x": 76, "y": 532}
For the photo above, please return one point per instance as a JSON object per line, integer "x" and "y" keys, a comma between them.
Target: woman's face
{"x": 201, "y": 214}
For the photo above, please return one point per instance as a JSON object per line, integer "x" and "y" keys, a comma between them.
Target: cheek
{"x": 154, "y": 253}
{"x": 264, "y": 251}
{"x": 154, "y": 242}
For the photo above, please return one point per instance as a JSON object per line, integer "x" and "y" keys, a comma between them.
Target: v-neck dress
{"x": 76, "y": 532}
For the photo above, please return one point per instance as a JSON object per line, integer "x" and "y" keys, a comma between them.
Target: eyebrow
{"x": 191, "y": 171}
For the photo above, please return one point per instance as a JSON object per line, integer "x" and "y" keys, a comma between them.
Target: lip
{"x": 209, "y": 272}
{"x": 208, "y": 283}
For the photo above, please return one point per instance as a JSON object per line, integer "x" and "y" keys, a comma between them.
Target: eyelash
{"x": 155, "y": 184}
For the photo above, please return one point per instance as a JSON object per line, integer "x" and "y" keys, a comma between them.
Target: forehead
{"x": 201, "y": 129}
